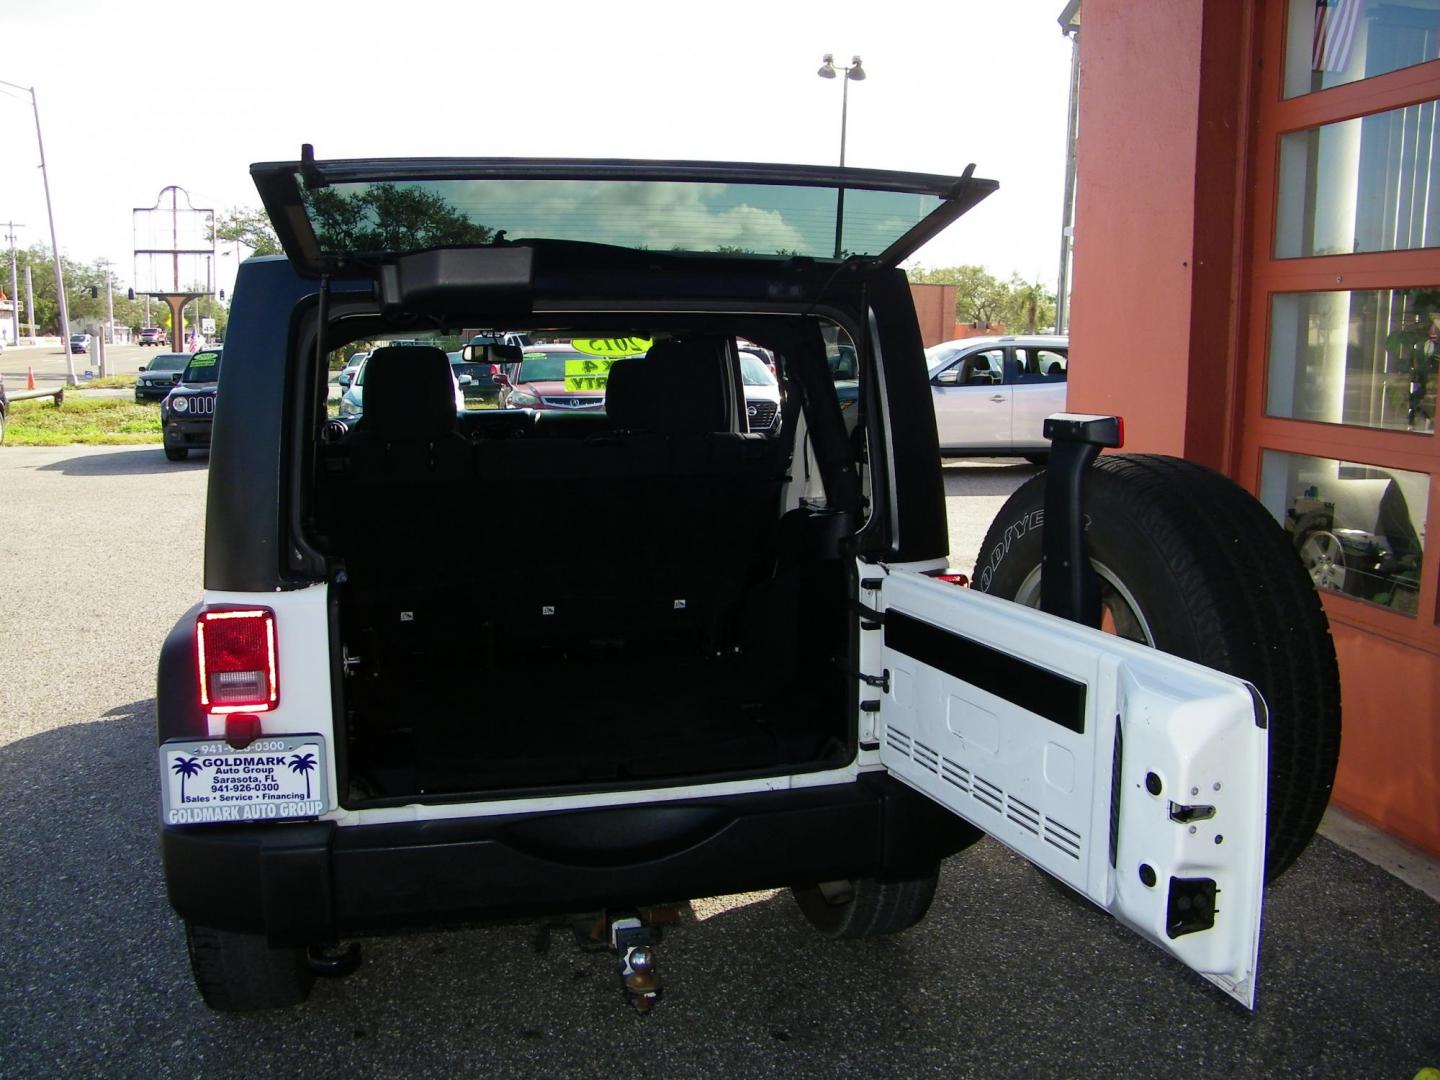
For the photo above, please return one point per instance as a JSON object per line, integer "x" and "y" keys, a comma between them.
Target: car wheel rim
{"x": 1120, "y": 613}
{"x": 1324, "y": 560}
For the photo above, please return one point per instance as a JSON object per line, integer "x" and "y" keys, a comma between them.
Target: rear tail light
{"x": 953, "y": 579}
{"x": 235, "y": 648}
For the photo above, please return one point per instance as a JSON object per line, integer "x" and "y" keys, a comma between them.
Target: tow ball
{"x": 634, "y": 944}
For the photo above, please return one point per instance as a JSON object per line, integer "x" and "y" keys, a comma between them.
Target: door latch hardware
{"x": 1186, "y": 814}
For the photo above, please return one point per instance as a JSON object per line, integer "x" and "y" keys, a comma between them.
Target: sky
{"x": 130, "y": 103}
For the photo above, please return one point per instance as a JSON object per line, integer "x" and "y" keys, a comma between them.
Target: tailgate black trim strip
{"x": 1038, "y": 690}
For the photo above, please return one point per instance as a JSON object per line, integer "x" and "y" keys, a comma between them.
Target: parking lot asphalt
{"x": 100, "y": 553}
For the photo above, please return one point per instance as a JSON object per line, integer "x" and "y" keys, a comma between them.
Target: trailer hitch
{"x": 1069, "y": 586}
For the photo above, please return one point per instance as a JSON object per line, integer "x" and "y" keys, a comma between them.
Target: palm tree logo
{"x": 302, "y": 764}
{"x": 186, "y": 767}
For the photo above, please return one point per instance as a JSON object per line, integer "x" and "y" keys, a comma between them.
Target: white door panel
{"x": 972, "y": 416}
{"x": 1133, "y": 776}
{"x": 1031, "y": 404}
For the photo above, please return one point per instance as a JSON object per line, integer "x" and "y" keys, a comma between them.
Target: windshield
{"x": 545, "y": 367}
{"x": 204, "y": 367}
{"x": 939, "y": 355}
{"x": 169, "y": 362}
{"x": 753, "y": 371}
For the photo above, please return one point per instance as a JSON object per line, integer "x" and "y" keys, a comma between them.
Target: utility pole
{"x": 54, "y": 244}
{"x": 30, "y": 305}
{"x": 14, "y": 283}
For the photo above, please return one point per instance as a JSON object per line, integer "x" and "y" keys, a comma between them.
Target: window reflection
{"x": 1368, "y": 184}
{"x": 1333, "y": 42}
{"x": 1358, "y": 529}
{"x": 1363, "y": 358}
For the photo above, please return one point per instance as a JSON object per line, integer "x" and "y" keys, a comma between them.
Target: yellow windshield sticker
{"x": 587, "y": 373}
{"x": 614, "y": 347}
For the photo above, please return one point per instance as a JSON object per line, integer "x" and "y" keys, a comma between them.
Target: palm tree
{"x": 186, "y": 767}
{"x": 303, "y": 763}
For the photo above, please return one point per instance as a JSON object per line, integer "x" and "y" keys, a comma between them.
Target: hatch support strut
{"x": 1069, "y": 586}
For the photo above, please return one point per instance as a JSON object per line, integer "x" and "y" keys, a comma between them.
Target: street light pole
{"x": 14, "y": 283}
{"x": 853, "y": 72}
{"x": 54, "y": 244}
{"x": 856, "y": 73}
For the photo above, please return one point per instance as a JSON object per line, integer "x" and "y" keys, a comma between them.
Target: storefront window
{"x": 1362, "y": 358}
{"x": 1359, "y": 529}
{"x": 1333, "y": 42}
{"x": 1368, "y": 184}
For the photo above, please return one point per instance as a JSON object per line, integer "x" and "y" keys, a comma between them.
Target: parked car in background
{"x": 79, "y": 343}
{"x": 153, "y": 335}
{"x": 762, "y": 392}
{"x": 540, "y": 381}
{"x": 992, "y": 394}
{"x": 352, "y": 401}
{"x": 347, "y": 374}
{"x": 189, "y": 409}
{"x": 158, "y": 378}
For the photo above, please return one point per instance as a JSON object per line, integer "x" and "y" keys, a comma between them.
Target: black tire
{"x": 868, "y": 908}
{"x": 1210, "y": 577}
{"x": 243, "y": 973}
{"x": 1038, "y": 459}
{"x": 176, "y": 453}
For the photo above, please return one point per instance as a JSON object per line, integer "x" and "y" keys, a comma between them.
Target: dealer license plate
{"x": 273, "y": 778}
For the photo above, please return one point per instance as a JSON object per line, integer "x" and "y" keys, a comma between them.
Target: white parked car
{"x": 992, "y": 394}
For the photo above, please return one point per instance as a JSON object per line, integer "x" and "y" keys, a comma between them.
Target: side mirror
{"x": 465, "y": 380}
{"x": 140, "y": 368}
{"x": 345, "y": 378}
{"x": 948, "y": 377}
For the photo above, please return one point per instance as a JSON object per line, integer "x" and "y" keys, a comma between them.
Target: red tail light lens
{"x": 953, "y": 579}
{"x": 235, "y": 648}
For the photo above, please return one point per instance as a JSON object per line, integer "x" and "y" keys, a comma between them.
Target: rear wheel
{"x": 243, "y": 972}
{"x": 846, "y": 910}
{"x": 1191, "y": 564}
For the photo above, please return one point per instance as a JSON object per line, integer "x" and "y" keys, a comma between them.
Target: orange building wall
{"x": 1390, "y": 755}
{"x": 935, "y": 310}
{"x": 1134, "y": 213}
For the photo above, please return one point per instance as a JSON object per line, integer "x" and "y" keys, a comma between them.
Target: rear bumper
{"x": 314, "y": 882}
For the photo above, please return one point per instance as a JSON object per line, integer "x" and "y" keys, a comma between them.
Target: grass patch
{"x": 88, "y": 421}
{"x": 108, "y": 382}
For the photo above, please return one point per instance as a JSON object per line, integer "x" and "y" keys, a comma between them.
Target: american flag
{"x": 1335, "y": 23}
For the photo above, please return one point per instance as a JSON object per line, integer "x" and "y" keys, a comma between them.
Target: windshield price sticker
{"x": 587, "y": 374}
{"x": 270, "y": 779}
{"x": 612, "y": 347}
{"x": 204, "y": 359}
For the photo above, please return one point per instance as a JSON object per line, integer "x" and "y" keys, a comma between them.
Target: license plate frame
{"x": 275, "y": 778}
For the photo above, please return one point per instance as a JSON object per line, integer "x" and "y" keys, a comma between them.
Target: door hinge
{"x": 882, "y": 680}
{"x": 870, "y": 619}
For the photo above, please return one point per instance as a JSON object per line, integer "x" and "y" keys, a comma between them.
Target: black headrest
{"x": 409, "y": 394}
{"x": 681, "y": 391}
{"x": 632, "y": 397}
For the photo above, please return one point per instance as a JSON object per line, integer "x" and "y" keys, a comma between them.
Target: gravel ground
{"x": 100, "y": 553}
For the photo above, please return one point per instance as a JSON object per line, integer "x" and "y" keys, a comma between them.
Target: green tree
{"x": 979, "y": 296}
{"x": 1028, "y": 307}
{"x": 250, "y": 227}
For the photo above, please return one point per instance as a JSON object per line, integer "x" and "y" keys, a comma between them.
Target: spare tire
{"x": 1191, "y": 564}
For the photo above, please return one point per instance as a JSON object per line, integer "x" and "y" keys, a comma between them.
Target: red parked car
{"x": 539, "y": 381}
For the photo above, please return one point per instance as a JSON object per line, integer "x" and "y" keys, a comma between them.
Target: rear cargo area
{"x": 530, "y": 602}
